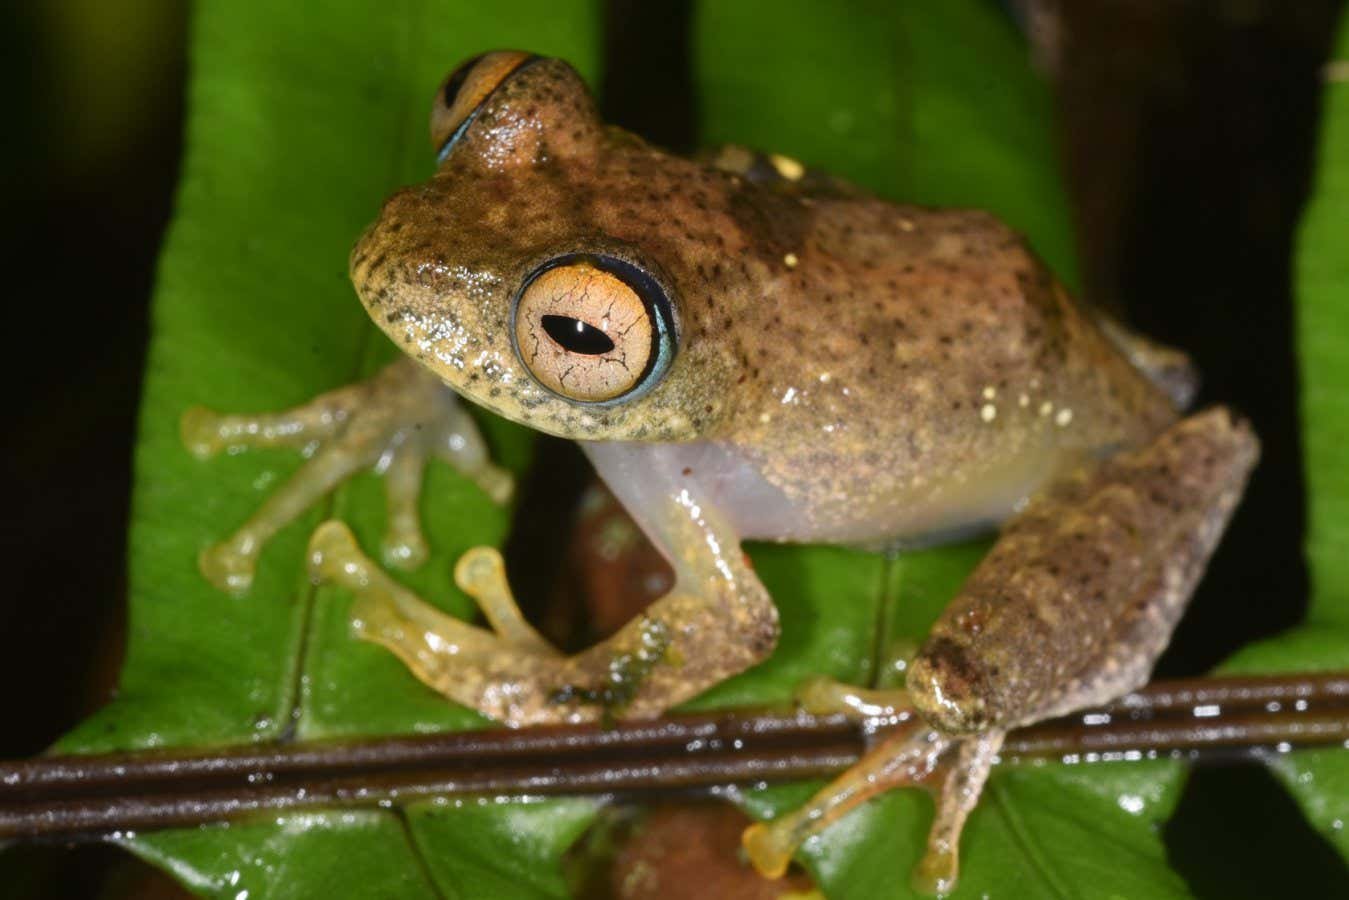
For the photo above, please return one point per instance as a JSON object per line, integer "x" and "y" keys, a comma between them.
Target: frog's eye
{"x": 593, "y": 328}
{"x": 463, "y": 93}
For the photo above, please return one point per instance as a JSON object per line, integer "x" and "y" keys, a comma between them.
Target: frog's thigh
{"x": 1079, "y": 596}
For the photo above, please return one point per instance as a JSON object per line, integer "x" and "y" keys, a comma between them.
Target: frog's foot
{"x": 912, "y": 756}
{"x": 394, "y": 422}
{"x": 480, "y": 668}
{"x": 509, "y": 672}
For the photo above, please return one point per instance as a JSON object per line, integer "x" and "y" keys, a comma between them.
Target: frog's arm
{"x": 1170, "y": 369}
{"x": 393, "y": 422}
{"x": 717, "y": 620}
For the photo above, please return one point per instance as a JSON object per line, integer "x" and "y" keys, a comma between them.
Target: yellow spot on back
{"x": 787, "y": 167}
{"x": 791, "y": 260}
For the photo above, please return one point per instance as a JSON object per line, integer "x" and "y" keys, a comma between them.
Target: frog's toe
{"x": 910, "y": 756}
{"x": 907, "y": 757}
{"x": 404, "y": 551}
{"x": 393, "y": 422}
{"x": 824, "y": 696}
{"x": 936, "y": 872}
{"x": 481, "y": 574}
{"x": 496, "y": 482}
{"x": 769, "y": 849}
{"x": 460, "y": 444}
{"x": 230, "y": 564}
{"x": 199, "y": 430}
{"x": 498, "y": 674}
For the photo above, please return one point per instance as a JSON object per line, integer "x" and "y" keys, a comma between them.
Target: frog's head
{"x": 499, "y": 275}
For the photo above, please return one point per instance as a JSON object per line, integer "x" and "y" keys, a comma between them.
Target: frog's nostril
{"x": 577, "y": 336}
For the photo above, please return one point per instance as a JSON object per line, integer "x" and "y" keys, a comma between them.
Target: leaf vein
{"x": 1022, "y": 837}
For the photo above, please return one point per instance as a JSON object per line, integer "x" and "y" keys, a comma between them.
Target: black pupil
{"x": 457, "y": 80}
{"x": 577, "y": 336}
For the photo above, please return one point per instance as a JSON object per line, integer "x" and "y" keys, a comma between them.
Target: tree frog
{"x": 748, "y": 349}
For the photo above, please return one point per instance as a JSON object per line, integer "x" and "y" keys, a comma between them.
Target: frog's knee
{"x": 951, "y": 689}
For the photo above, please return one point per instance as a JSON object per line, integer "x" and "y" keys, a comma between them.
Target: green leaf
{"x": 1319, "y": 780}
{"x": 300, "y": 121}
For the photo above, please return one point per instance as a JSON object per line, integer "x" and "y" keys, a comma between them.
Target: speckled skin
{"x": 882, "y": 375}
{"x": 909, "y": 371}
{"x": 846, "y": 370}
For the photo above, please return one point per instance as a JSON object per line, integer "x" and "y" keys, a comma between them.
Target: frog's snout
{"x": 373, "y": 250}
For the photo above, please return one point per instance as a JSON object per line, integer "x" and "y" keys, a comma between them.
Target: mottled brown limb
{"x": 716, "y": 622}
{"x": 1079, "y": 596}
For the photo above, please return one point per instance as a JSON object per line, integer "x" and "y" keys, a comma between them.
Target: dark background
{"x": 1187, "y": 131}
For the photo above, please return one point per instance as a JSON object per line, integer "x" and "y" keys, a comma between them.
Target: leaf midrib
{"x": 1024, "y": 842}
{"x": 294, "y": 704}
{"x": 415, "y": 12}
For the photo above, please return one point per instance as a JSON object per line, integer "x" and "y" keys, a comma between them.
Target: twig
{"x": 90, "y": 796}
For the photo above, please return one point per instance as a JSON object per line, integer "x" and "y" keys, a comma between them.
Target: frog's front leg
{"x": 717, "y": 620}
{"x": 393, "y": 422}
{"x": 1071, "y": 608}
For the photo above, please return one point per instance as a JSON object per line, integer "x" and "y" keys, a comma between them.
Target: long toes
{"x": 405, "y": 550}
{"x": 769, "y": 849}
{"x": 334, "y": 555}
{"x": 936, "y": 872}
{"x": 481, "y": 573}
{"x": 496, "y": 482}
{"x": 823, "y": 696}
{"x": 907, "y": 757}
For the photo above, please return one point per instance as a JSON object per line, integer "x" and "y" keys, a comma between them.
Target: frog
{"x": 748, "y": 349}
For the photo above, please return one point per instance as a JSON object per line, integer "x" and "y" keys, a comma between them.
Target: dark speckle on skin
{"x": 890, "y": 372}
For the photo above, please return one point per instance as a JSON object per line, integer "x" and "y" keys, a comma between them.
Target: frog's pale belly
{"x": 876, "y": 513}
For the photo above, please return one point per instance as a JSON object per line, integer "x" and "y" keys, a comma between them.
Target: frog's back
{"x": 910, "y": 373}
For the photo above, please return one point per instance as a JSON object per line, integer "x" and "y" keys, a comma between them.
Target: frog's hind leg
{"x": 393, "y": 422}
{"x": 1071, "y": 608}
{"x": 912, "y": 756}
{"x": 1079, "y": 596}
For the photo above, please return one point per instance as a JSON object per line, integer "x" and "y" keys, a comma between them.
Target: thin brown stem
{"x": 77, "y": 796}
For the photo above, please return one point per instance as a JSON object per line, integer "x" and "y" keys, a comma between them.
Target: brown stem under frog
{"x": 750, "y": 350}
